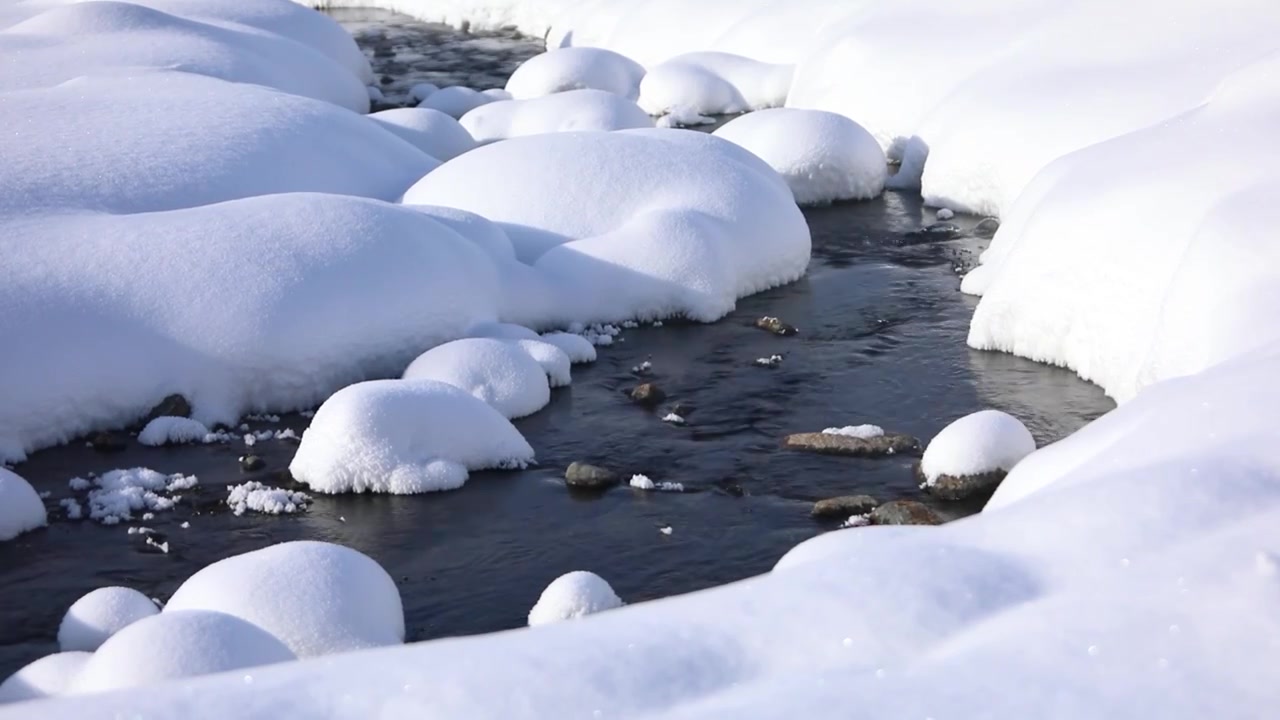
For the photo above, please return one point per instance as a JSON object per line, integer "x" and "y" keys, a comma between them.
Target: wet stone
{"x": 589, "y": 477}
{"x": 830, "y": 444}
{"x": 844, "y": 506}
{"x": 649, "y": 395}
{"x": 905, "y": 512}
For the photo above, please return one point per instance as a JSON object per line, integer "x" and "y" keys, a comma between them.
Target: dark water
{"x": 882, "y": 341}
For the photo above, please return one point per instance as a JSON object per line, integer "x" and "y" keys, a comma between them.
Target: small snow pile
{"x": 455, "y": 101}
{"x": 21, "y": 509}
{"x": 982, "y": 442}
{"x": 404, "y": 437}
{"x": 49, "y": 676}
{"x": 944, "y": 214}
{"x": 598, "y": 334}
{"x": 431, "y": 131}
{"x": 673, "y": 418}
{"x": 864, "y": 432}
{"x": 554, "y": 361}
{"x": 642, "y": 482}
{"x": 253, "y": 496}
{"x": 167, "y": 430}
{"x": 714, "y": 83}
{"x": 856, "y": 521}
{"x": 571, "y": 596}
{"x": 178, "y": 644}
{"x": 822, "y": 156}
{"x": 771, "y": 362}
{"x": 563, "y": 112}
{"x": 94, "y": 618}
{"x": 114, "y": 496}
{"x": 500, "y": 373}
{"x": 576, "y": 347}
{"x": 576, "y": 68}
{"x": 72, "y": 508}
{"x": 317, "y": 598}
{"x": 680, "y": 117}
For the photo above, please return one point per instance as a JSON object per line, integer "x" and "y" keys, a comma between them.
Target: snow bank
{"x": 431, "y": 131}
{"x": 178, "y": 644}
{"x": 50, "y": 675}
{"x": 167, "y": 430}
{"x": 255, "y": 497}
{"x": 403, "y": 437}
{"x": 455, "y": 101}
{"x": 576, "y": 68}
{"x": 317, "y": 598}
{"x": 714, "y": 83}
{"x": 822, "y": 156}
{"x": 571, "y": 596}
{"x": 561, "y": 112}
{"x": 577, "y": 348}
{"x": 20, "y": 506}
{"x": 656, "y": 222}
{"x": 554, "y": 361}
{"x": 502, "y": 374}
{"x": 976, "y": 444}
{"x": 99, "y": 615}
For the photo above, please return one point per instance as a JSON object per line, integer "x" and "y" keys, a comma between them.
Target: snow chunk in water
{"x": 253, "y": 496}
{"x": 978, "y": 443}
{"x": 576, "y": 68}
{"x": 683, "y": 117}
{"x": 318, "y": 598}
{"x": 50, "y": 675}
{"x": 572, "y": 596}
{"x": 167, "y": 430}
{"x": 100, "y": 614}
{"x": 117, "y": 494}
{"x": 642, "y": 482}
{"x": 431, "y": 131}
{"x": 498, "y": 372}
{"x": 405, "y": 436}
{"x": 178, "y": 644}
{"x": 20, "y": 506}
{"x": 856, "y": 431}
{"x": 578, "y": 348}
{"x": 714, "y": 83}
{"x": 455, "y": 101}
{"x": 562, "y": 112}
{"x": 822, "y": 156}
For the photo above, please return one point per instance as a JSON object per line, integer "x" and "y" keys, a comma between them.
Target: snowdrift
{"x": 562, "y": 112}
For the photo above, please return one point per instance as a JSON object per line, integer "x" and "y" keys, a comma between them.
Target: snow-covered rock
{"x": 576, "y": 68}
{"x": 456, "y": 101}
{"x": 554, "y": 361}
{"x": 403, "y": 437}
{"x": 253, "y": 496}
{"x": 21, "y": 509}
{"x": 822, "y": 156}
{"x": 169, "y": 430}
{"x": 983, "y": 442}
{"x": 576, "y": 347}
{"x": 856, "y": 431}
{"x": 561, "y": 112}
{"x": 714, "y": 83}
{"x": 571, "y": 596}
{"x": 501, "y": 373}
{"x": 178, "y": 644}
{"x": 421, "y": 91}
{"x": 49, "y": 676}
{"x": 99, "y": 615}
{"x": 317, "y": 598}
{"x": 431, "y": 131}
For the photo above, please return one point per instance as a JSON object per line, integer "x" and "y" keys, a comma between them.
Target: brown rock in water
{"x": 648, "y": 395}
{"x": 172, "y": 406}
{"x": 831, "y": 444}
{"x": 963, "y": 487}
{"x": 844, "y": 506}
{"x": 589, "y": 477}
{"x": 107, "y": 442}
{"x": 905, "y": 512}
{"x": 776, "y": 326}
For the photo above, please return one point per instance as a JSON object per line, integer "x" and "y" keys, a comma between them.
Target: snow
{"x": 178, "y": 644}
{"x": 21, "y": 509}
{"x": 679, "y": 117}
{"x": 253, "y": 496}
{"x": 554, "y": 361}
{"x": 643, "y": 482}
{"x": 167, "y": 430}
{"x": 944, "y": 214}
{"x": 822, "y": 156}
{"x": 501, "y": 331}
{"x": 673, "y": 418}
{"x": 403, "y": 437}
{"x": 317, "y": 598}
{"x": 714, "y": 83}
{"x": 576, "y": 347}
{"x": 431, "y": 131}
{"x": 501, "y": 373}
{"x": 421, "y": 91}
{"x": 94, "y": 618}
{"x": 979, "y": 443}
{"x": 575, "y": 68}
{"x": 114, "y": 496}
{"x": 50, "y": 675}
{"x": 856, "y": 431}
{"x": 455, "y": 101}
{"x": 572, "y": 596}
{"x": 561, "y": 112}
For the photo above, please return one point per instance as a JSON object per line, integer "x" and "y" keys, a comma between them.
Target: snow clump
{"x": 575, "y": 346}
{"x": 864, "y": 432}
{"x": 500, "y": 373}
{"x": 982, "y": 442}
{"x": 21, "y": 509}
{"x": 431, "y": 131}
{"x": 714, "y": 83}
{"x": 166, "y": 430}
{"x": 94, "y": 618}
{"x": 562, "y": 112}
{"x": 575, "y": 68}
{"x": 114, "y": 496}
{"x": 571, "y": 596}
{"x": 253, "y": 496}
{"x": 642, "y": 482}
{"x": 455, "y": 101}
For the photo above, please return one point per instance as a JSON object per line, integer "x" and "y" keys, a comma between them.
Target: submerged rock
{"x": 249, "y": 463}
{"x": 844, "y": 506}
{"x": 107, "y": 442}
{"x": 963, "y": 487}
{"x": 589, "y": 477}
{"x": 172, "y": 406}
{"x": 834, "y": 444}
{"x": 905, "y": 512}
{"x": 648, "y": 395}
{"x": 776, "y": 326}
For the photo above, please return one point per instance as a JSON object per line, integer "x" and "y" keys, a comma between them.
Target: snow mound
{"x": 422, "y": 91}
{"x": 576, "y": 68}
{"x": 643, "y": 482}
{"x": 99, "y": 615}
{"x": 178, "y": 644}
{"x": 856, "y": 431}
{"x": 21, "y": 509}
{"x": 502, "y": 374}
{"x": 455, "y": 101}
{"x": 982, "y": 442}
{"x": 655, "y": 223}
{"x": 561, "y": 112}
{"x": 431, "y": 131}
{"x": 114, "y": 496}
{"x": 571, "y": 596}
{"x": 167, "y": 430}
{"x": 554, "y": 361}
{"x": 576, "y": 347}
{"x": 484, "y": 234}
{"x": 317, "y": 598}
{"x": 822, "y": 156}
{"x": 501, "y": 331}
{"x": 714, "y": 83}
{"x": 404, "y": 437}
{"x": 50, "y": 675}
{"x": 255, "y": 497}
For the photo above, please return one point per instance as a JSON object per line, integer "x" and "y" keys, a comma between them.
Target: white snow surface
{"x": 431, "y": 131}
{"x": 554, "y": 361}
{"x": 21, "y": 509}
{"x": 99, "y": 615}
{"x": 317, "y": 598}
{"x": 116, "y": 495}
{"x": 822, "y": 156}
{"x": 168, "y": 430}
{"x": 576, "y": 68}
{"x": 644, "y": 482}
{"x": 562, "y": 112}
{"x": 404, "y": 437}
{"x": 456, "y": 101}
{"x": 255, "y": 497}
{"x": 501, "y": 373}
{"x": 571, "y": 596}
{"x": 978, "y": 443}
{"x": 714, "y": 83}
{"x": 50, "y": 675}
{"x": 576, "y": 347}
{"x": 856, "y": 431}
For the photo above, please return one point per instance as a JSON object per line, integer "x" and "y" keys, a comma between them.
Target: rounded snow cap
{"x": 573, "y": 595}
{"x": 100, "y": 614}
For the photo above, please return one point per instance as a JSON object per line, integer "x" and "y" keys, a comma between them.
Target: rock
{"x": 905, "y": 512}
{"x": 844, "y": 506}
{"x": 831, "y": 444}
{"x": 648, "y": 395}
{"x": 950, "y": 487}
{"x": 249, "y": 463}
{"x": 776, "y": 326}
{"x": 172, "y": 406}
{"x": 589, "y": 477}
{"x": 107, "y": 442}
{"x": 682, "y": 409}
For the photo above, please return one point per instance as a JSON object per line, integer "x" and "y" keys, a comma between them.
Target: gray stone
{"x": 250, "y": 463}
{"x": 107, "y": 442}
{"x": 172, "y": 406}
{"x": 829, "y": 444}
{"x": 905, "y": 512}
{"x": 843, "y": 506}
{"x": 776, "y": 326}
{"x": 648, "y": 395}
{"x": 589, "y": 477}
{"x": 963, "y": 487}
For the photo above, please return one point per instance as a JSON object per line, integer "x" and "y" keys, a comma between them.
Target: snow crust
{"x": 571, "y": 596}
{"x": 576, "y": 68}
{"x": 431, "y": 131}
{"x": 21, "y": 509}
{"x": 978, "y": 443}
{"x": 94, "y": 618}
{"x": 501, "y": 373}
{"x": 166, "y": 430}
{"x": 562, "y": 112}
{"x": 50, "y": 675}
{"x": 714, "y": 83}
